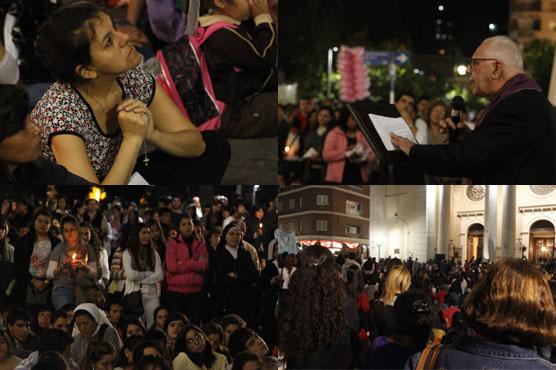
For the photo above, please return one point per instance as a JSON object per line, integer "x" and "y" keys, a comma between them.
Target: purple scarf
{"x": 515, "y": 84}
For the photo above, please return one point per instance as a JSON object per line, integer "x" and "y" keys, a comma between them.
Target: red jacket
{"x": 334, "y": 152}
{"x": 184, "y": 272}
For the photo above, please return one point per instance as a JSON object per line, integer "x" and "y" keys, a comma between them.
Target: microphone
{"x": 458, "y": 106}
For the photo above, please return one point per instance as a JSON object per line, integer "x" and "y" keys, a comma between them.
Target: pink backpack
{"x": 185, "y": 78}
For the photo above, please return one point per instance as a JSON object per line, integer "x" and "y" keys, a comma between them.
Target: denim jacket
{"x": 474, "y": 353}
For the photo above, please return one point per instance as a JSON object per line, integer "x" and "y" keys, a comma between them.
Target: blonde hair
{"x": 398, "y": 281}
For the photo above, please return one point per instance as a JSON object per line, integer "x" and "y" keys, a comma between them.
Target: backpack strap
{"x": 429, "y": 357}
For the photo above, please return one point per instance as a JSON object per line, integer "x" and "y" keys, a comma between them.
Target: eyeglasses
{"x": 474, "y": 61}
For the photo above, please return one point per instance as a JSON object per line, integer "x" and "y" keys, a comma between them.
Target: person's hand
{"x": 136, "y": 37}
{"x": 233, "y": 275}
{"x": 401, "y": 143}
{"x": 448, "y": 124}
{"x": 134, "y": 119}
{"x": 258, "y": 7}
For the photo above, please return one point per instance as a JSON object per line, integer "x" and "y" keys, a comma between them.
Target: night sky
{"x": 470, "y": 20}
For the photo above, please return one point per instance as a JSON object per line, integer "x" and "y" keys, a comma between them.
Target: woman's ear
{"x": 220, "y": 4}
{"x": 87, "y": 73}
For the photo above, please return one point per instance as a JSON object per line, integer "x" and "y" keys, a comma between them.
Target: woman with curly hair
{"x": 509, "y": 312}
{"x": 314, "y": 331}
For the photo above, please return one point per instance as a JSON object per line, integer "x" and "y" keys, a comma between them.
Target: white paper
{"x": 386, "y": 125}
{"x": 310, "y": 153}
{"x": 137, "y": 179}
{"x": 358, "y": 154}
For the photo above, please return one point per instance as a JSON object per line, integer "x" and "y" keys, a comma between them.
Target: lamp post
{"x": 331, "y": 52}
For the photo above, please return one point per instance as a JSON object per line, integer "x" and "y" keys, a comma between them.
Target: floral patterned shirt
{"x": 63, "y": 111}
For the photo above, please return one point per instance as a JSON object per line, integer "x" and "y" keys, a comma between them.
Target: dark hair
{"x": 96, "y": 351}
{"x": 217, "y": 230}
{"x": 138, "y": 350}
{"x": 57, "y": 314}
{"x": 151, "y": 362}
{"x": 213, "y": 328}
{"x": 209, "y": 4}
{"x": 134, "y": 246}
{"x": 402, "y": 93}
{"x": 68, "y": 307}
{"x": 16, "y": 315}
{"x": 14, "y": 107}
{"x": 55, "y": 340}
{"x": 414, "y": 316}
{"x": 42, "y": 211}
{"x": 64, "y": 40}
{"x": 244, "y": 358}
{"x": 232, "y": 319}
{"x": 238, "y": 341}
{"x": 313, "y": 312}
{"x": 163, "y": 210}
{"x": 130, "y": 344}
{"x": 132, "y": 320}
{"x": 50, "y": 360}
{"x": 69, "y": 219}
{"x": 207, "y": 358}
{"x": 157, "y": 310}
{"x": 175, "y": 316}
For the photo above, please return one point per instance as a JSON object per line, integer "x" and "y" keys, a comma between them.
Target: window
{"x": 322, "y": 200}
{"x": 292, "y": 203}
{"x": 300, "y": 202}
{"x": 357, "y": 188}
{"x": 322, "y": 225}
{"x": 353, "y": 208}
{"x": 352, "y": 230}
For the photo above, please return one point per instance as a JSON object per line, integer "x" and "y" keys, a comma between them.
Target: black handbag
{"x": 133, "y": 303}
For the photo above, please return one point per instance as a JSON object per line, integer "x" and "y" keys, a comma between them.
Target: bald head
{"x": 505, "y": 50}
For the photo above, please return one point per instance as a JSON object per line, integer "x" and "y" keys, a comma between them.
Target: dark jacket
{"x": 235, "y": 295}
{"x": 22, "y": 257}
{"x": 241, "y": 61}
{"x": 515, "y": 144}
{"x": 473, "y": 353}
{"x": 40, "y": 172}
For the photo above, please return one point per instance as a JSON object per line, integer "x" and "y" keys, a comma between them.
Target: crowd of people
{"x": 320, "y": 141}
{"x": 96, "y": 89}
{"x": 174, "y": 283}
{"x": 342, "y": 312}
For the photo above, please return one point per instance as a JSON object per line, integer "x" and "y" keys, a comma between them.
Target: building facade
{"x": 532, "y": 19}
{"x": 424, "y": 222}
{"x": 333, "y": 215}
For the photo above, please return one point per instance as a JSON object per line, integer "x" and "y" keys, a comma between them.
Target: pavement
{"x": 253, "y": 161}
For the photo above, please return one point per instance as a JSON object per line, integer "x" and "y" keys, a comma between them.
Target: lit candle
{"x": 73, "y": 256}
{"x": 260, "y": 225}
{"x": 287, "y": 149}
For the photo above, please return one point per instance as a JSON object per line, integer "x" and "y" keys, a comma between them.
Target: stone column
{"x": 443, "y": 219}
{"x": 507, "y": 220}
{"x": 491, "y": 213}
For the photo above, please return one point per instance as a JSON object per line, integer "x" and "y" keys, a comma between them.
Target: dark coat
{"x": 22, "y": 258}
{"x": 515, "y": 144}
{"x": 235, "y": 295}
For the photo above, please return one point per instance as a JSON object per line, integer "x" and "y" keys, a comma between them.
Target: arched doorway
{"x": 475, "y": 234}
{"x": 541, "y": 241}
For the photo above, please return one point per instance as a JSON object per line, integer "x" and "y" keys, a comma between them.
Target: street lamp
{"x": 461, "y": 70}
{"x": 331, "y": 52}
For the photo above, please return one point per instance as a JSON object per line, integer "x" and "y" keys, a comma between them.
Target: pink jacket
{"x": 335, "y": 146}
{"x": 184, "y": 272}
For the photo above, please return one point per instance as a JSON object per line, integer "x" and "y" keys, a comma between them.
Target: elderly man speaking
{"x": 515, "y": 138}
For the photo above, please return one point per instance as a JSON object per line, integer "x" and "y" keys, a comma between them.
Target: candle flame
{"x": 287, "y": 149}
{"x": 261, "y": 225}
{"x": 73, "y": 256}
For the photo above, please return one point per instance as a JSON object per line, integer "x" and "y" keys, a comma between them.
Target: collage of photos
{"x": 404, "y": 215}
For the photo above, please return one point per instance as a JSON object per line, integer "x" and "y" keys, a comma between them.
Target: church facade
{"x": 427, "y": 221}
